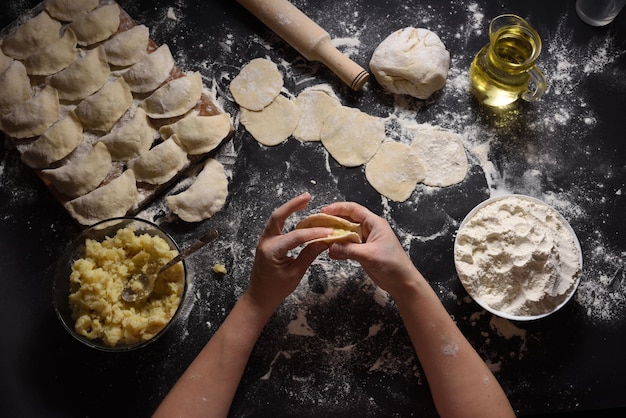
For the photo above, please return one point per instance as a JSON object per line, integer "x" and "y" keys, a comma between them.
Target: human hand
{"x": 276, "y": 274}
{"x": 382, "y": 256}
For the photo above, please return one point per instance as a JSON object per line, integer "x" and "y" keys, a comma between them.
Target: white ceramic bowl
{"x": 500, "y": 313}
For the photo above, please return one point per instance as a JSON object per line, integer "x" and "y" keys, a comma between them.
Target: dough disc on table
{"x": 273, "y": 124}
{"x": 314, "y": 105}
{"x": 343, "y": 229}
{"x": 395, "y": 170}
{"x": 352, "y": 137}
{"x": 442, "y": 155}
{"x": 257, "y": 85}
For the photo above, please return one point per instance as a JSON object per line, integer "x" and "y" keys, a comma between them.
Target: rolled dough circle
{"x": 442, "y": 155}
{"x": 395, "y": 170}
{"x": 315, "y": 105}
{"x": 273, "y": 124}
{"x": 258, "y": 83}
{"x": 411, "y": 61}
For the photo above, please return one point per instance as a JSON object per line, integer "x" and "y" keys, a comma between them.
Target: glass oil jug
{"x": 504, "y": 70}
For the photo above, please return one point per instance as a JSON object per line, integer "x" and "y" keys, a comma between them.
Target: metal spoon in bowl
{"x": 140, "y": 286}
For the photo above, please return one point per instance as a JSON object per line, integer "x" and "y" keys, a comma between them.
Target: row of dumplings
{"x": 82, "y": 96}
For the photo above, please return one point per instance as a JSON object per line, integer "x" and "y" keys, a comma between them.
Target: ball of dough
{"x": 411, "y": 61}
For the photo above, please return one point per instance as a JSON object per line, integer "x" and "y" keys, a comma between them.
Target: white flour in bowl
{"x": 517, "y": 256}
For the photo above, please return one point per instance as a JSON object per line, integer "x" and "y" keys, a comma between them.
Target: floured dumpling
{"x": 257, "y": 85}
{"x": 205, "y": 197}
{"x": 109, "y": 201}
{"x": 82, "y": 174}
{"x": 199, "y": 134}
{"x": 343, "y": 229}
{"x": 54, "y": 57}
{"x": 68, "y": 10}
{"x": 128, "y": 47}
{"x": 130, "y": 138}
{"x": 15, "y": 87}
{"x": 152, "y": 71}
{"x": 160, "y": 164}
{"x": 34, "y": 116}
{"x": 101, "y": 110}
{"x": 97, "y": 25}
{"x": 56, "y": 143}
{"x": 83, "y": 77}
{"x": 175, "y": 98}
{"x": 32, "y": 35}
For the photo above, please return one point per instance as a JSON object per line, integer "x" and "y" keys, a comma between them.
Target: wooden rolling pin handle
{"x": 308, "y": 38}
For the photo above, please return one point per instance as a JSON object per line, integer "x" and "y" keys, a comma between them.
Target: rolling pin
{"x": 306, "y": 37}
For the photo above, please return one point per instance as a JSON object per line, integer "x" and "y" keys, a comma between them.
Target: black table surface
{"x": 337, "y": 346}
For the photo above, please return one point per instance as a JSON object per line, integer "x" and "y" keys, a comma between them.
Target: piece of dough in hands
{"x": 343, "y": 229}
{"x": 411, "y": 61}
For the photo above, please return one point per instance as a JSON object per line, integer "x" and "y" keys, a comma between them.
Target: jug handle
{"x": 537, "y": 79}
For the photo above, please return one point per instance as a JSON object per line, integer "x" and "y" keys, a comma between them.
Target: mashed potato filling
{"x": 98, "y": 278}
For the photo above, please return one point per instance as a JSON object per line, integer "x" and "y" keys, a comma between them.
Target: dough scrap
{"x": 32, "y": 35}
{"x": 54, "y": 57}
{"x": 274, "y": 123}
{"x": 411, "y": 61}
{"x": 395, "y": 170}
{"x": 68, "y": 10}
{"x": 205, "y": 197}
{"x": 343, "y": 229}
{"x": 108, "y": 201}
{"x": 15, "y": 87}
{"x": 101, "y": 110}
{"x": 56, "y": 143}
{"x": 97, "y": 25}
{"x": 82, "y": 174}
{"x": 151, "y": 71}
{"x": 199, "y": 134}
{"x": 130, "y": 138}
{"x": 175, "y": 98}
{"x": 314, "y": 105}
{"x": 442, "y": 155}
{"x": 34, "y": 116}
{"x": 257, "y": 85}
{"x": 128, "y": 47}
{"x": 160, "y": 164}
{"x": 82, "y": 77}
{"x": 352, "y": 137}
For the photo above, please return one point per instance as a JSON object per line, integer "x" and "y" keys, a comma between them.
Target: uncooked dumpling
{"x": 101, "y": 110}
{"x": 160, "y": 164}
{"x": 343, "y": 229}
{"x": 199, "y": 134}
{"x": 34, "y": 116}
{"x": 130, "y": 138}
{"x": 314, "y": 105}
{"x": 128, "y": 47}
{"x": 274, "y": 123}
{"x": 54, "y": 57}
{"x": 56, "y": 143}
{"x": 5, "y": 60}
{"x": 83, "y": 77}
{"x": 68, "y": 10}
{"x": 257, "y": 84}
{"x": 82, "y": 174}
{"x": 442, "y": 155}
{"x": 395, "y": 170}
{"x": 205, "y": 197}
{"x": 352, "y": 137}
{"x": 32, "y": 35}
{"x": 175, "y": 98}
{"x": 411, "y": 61}
{"x": 109, "y": 201}
{"x": 152, "y": 71}
{"x": 97, "y": 25}
{"x": 15, "y": 87}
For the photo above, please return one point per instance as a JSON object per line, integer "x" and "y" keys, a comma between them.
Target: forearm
{"x": 209, "y": 384}
{"x": 461, "y": 384}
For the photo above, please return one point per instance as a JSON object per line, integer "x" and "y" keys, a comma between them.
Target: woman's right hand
{"x": 382, "y": 256}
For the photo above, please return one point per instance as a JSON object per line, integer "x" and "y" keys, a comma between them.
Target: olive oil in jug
{"x": 504, "y": 70}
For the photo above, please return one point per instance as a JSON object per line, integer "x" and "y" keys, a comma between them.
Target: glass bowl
{"x": 76, "y": 250}
{"x": 495, "y": 244}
